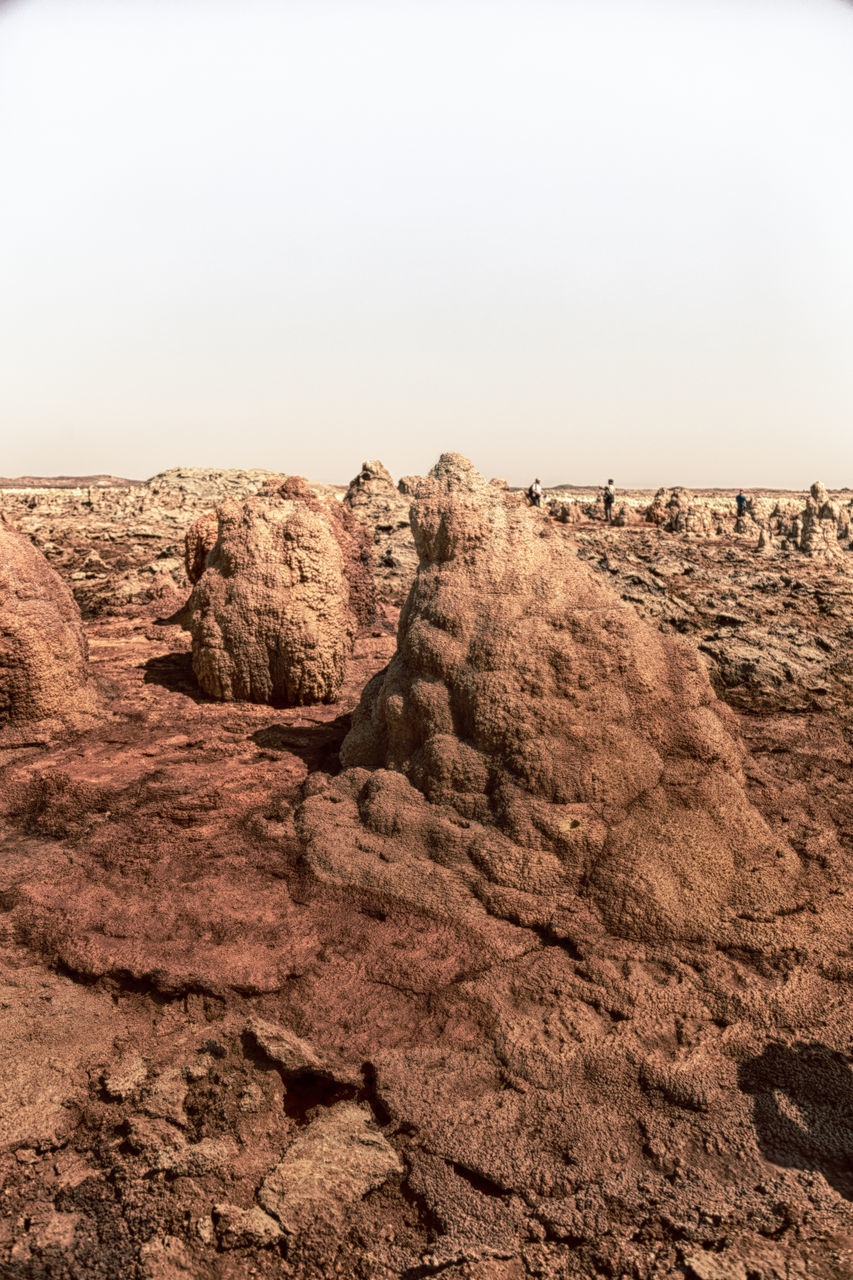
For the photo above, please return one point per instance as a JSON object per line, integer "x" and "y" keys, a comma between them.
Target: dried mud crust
{"x": 194, "y": 1020}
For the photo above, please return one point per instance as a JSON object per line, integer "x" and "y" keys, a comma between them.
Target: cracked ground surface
{"x": 218, "y": 1063}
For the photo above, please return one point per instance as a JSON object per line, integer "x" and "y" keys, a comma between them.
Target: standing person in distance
{"x": 609, "y": 495}
{"x": 741, "y": 504}
{"x": 534, "y": 493}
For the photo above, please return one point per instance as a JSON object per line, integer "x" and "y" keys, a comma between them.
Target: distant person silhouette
{"x": 534, "y": 493}
{"x": 741, "y": 504}
{"x": 609, "y": 495}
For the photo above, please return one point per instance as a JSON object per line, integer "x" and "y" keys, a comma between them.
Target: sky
{"x": 569, "y": 238}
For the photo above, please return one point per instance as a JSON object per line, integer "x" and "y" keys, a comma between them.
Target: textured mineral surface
{"x": 280, "y": 592}
{"x": 527, "y": 956}
{"x": 43, "y": 653}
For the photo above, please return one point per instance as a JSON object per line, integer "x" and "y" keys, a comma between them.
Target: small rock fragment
{"x": 124, "y": 1077}
{"x": 335, "y": 1161}
{"x": 236, "y": 1227}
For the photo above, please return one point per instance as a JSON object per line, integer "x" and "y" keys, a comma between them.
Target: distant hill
{"x": 67, "y": 482}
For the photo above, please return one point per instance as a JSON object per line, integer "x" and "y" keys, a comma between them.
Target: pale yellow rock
{"x": 236, "y": 1227}
{"x": 125, "y": 1076}
{"x": 334, "y": 1162}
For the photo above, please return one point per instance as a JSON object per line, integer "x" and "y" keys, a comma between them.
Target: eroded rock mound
{"x": 563, "y": 512}
{"x": 625, "y": 515}
{"x": 533, "y": 739}
{"x": 43, "y": 653}
{"x": 373, "y": 485}
{"x": 677, "y": 511}
{"x": 380, "y": 507}
{"x": 275, "y": 611}
{"x": 820, "y": 522}
{"x": 199, "y": 540}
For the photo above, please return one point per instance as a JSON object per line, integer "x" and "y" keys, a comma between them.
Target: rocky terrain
{"x": 528, "y": 955}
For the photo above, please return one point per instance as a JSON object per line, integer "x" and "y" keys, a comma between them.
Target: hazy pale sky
{"x": 571, "y": 238}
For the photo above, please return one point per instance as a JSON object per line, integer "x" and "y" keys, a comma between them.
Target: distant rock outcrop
{"x": 384, "y": 511}
{"x": 275, "y": 611}
{"x": 187, "y": 486}
{"x": 533, "y": 742}
{"x": 373, "y": 495}
{"x": 566, "y": 512}
{"x": 819, "y": 524}
{"x": 820, "y": 529}
{"x": 677, "y": 511}
{"x": 625, "y": 515}
{"x": 43, "y": 652}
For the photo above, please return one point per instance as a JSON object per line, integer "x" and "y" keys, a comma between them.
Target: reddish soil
{"x": 589, "y": 1107}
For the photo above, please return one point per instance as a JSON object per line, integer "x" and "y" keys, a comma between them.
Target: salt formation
{"x": 678, "y": 512}
{"x": 384, "y": 511}
{"x": 625, "y": 515}
{"x": 43, "y": 652}
{"x": 820, "y": 529}
{"x": 373, "y": 497}
{"x": 274, "y": 613}
{"x": 199, "y": 540}
{"x": 539, "y": 742}
{"x": 819, "y": 524}
{"x": 566, "y": 512}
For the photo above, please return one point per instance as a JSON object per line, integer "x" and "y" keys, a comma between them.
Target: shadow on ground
{"x": 318, "y": 745}
{"x": 803, "y": 1109}
{"x": 174, "y": 671}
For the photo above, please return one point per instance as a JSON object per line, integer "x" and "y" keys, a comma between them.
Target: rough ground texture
{"x": 206, "y": 1023}
{"x": 284, "y": 587}
{"x": 43, "y": 656}
{"x": 121, "y": 546}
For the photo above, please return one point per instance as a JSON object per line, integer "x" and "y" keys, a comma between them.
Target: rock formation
{"x": 533, "y": 737}
{"x": 384, "y": 511}
{"x": 314, "y": 1023}
{"x": 679, "y": 512}
{"x": 373, "y": 497}
{"x": 624, "y": 515}
{"x": 656, "y": 512}
{"x": 819, "y": 524}
{"x": 199, "y": 539}
{"x": 43, "y": 652}
{"x": 275, "y": 611}
{"x": 565, "y": 512}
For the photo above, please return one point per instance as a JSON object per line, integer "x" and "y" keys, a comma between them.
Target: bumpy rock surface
{"x": 199, "y": 539}
{"x": 274, "y": 614}
{"x": 337, "y": 1159}
{"x": 561, "y": 1101}
{"x": 384, "y": 511}
{"x": 43, "y": 654}
{"x": 528, "y": 699}
{"x": 565, "y": 512}
{"x": 625, "y": 515}
{"x": 819, "y": 524}
{"x": 679, "y": 512}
